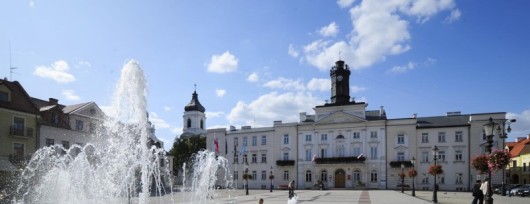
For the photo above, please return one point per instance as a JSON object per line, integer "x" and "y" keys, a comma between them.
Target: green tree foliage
{"x": 184, "y": 149}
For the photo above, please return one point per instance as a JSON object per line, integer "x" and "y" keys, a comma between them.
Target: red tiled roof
{"x": 518, "y": 147}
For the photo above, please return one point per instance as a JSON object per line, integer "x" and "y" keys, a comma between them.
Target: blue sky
{"x": 259, "y": 61}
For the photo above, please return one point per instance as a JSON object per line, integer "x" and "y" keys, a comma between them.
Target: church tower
{"x": 194, "y": 118}
{"x": 340, "y": 83}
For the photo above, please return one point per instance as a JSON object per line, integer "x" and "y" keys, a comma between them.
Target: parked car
{"x": 523, "y": 190}
{"x": 513, "y": 191}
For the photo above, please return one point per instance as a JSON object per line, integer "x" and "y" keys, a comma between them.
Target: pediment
{"x": 341, "y": 117}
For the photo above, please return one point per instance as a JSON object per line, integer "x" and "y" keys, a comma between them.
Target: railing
{"x": 397, "y": 164}
{"x": 285, "y": 162}
{"x": 18, "y": 131}
{"x": 340, "y": 160}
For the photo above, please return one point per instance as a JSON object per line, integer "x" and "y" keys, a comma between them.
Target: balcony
{"x": 397, "y": 164}
{"x": 18, "y": 131}
{"x": 340, "y": 160}
{"x": 285, "y": 162}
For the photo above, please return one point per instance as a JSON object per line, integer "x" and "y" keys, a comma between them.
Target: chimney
{"x": 382, "y": 111}
{"x": 518, "y": 139}
{"x": 232, "y": 128}
{"x": 53, "y": 101}
{"x": 414, "y": 115}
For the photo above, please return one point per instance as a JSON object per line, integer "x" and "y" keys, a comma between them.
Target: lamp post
{"x": 503, "y": 135}
{"x": 413, "y": 160}
{"x": 246, "y": 178}
{"x": 402, "y": 177}
{"x": 435, "y": 154}
{"x": 271, "y": 177}
{"x": 488, "y": 129}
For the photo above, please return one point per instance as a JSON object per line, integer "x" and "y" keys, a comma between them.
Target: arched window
{"x": 324, "y": 175}
{"x": 308, "y": 176}
{"x": 189, "y": 123}
{"x": 202, "y": 124}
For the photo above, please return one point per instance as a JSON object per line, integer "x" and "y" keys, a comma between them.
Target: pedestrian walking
{"x": 478, "y": 195}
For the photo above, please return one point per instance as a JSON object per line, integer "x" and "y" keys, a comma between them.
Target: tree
{"x": 184, "y": 149}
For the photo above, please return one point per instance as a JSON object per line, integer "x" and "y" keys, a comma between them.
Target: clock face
{"x": 339, "y": 78}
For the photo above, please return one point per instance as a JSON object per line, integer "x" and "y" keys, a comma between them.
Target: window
{"x": 245, "y": 158}
{"x": 424, "y": 137}
{"x": 263, "y": 140}
{"x": 441, "y": 137}
{"x": 373, "y": 134}
{"x": 425, "y": 179}
{"x": 323, "y": 153}
{"x": 373, "y": 176}
{"x": 286, "y": 156}
{"x": 236, "y": 141}
{"x": 324, "y": 175}
{"x": 263, "y": 158}
{"x": 236, "y": 175}
{"x": 308, "y": 176}
{"x": 254, "y": 158}
{"x": 308, "y": 138}
{"x": 263, "y": 175}
{"x": 18, "y": 126}
{"x": 245, "y": 140}
{"x": 356, "y": 151}
{"x": 162, "y": 162}
{"x": 373, "y": 152}
{"x": 4, "y": 96}
{"x": 254, "y": 140}
{"x": 50, "y": 142}
{"x": 285, "y": 175}
{"x": 340, "y": 150}
{"x": 254, "y": 175}
{"x": 442, "y": 179}
{"x": 189, "y": 123}
{"x": 356, "y": 176}
{"x": 459, "y": 136}
{"x": 55, "y": 118}
{"x": 458, "y": 155}
{"x": 524, "y": 166}
{"x": 308, "y": 155}
{"x": 401, "y": 139}
{"x": 441, "y": 156}
{"x": 356, "y": 135}
{"x": 401, "y": 156}
{"x": 66, "y": 144}
{"x": 514, "y": 163}
{"x": 324, "y": 137}
{"x": 236, "y": 158}
{"x": 459, "y": 178}
{"x": 285, "y": 139}
{"x": 18, "y": 149}
{"x": 78, "y": 125}
{"x": 92, "y": 127}
{"x": 202, "y": 124}
{"x": 425, "y": 156}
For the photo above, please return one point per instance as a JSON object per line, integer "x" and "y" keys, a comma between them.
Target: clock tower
{"x": 340, "y": 83}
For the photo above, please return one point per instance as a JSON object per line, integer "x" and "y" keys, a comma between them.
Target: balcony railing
{"x": 340, "y": 160}
{"x": 285, "y": 162}
{"x": 18, "y": 131}
{"x": 397, "y": 164}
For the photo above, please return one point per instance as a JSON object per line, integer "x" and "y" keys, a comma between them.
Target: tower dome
{"x": 194, "y": 104}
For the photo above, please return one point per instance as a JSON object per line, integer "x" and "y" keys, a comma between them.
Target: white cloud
{"x": 254, "y": 77}
{"x": 58, "y": 72}
{"x": 220, "y": 92}
{"x": 319, "y": 84}
{"x": 345, "y": 3}
{"x": 167, "y": 108}
{"x": 380, "y": 29}
{"x": 211, "y": 115}
{"x": 158, "y": 122}
{"x": 293, "y": 52}
{"x": 357, "y": 89}
{"x": 429, "y": 62}
{"x": 223, "y": 63}
{"x": 403, "y": 68}
{"x": 330, "y": 30}
{"x": 70, "y": 95}
{"x": 177, "y": 131}
{"x": 522, "y": 126}
{"x": 271, "y": 107}
{"x": 454, "y": 16}
{"x": 287, "y": 84}
{"x": 83, "y": 64}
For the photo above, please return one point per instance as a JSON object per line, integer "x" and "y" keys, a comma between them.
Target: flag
{"x": 360, "y": 156}
{"x": 314, "y": 158}
{"x": 242, "y": 150}
{"x": 216, "y": 143}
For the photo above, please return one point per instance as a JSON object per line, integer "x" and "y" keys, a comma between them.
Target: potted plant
{"x": 480, "y": 163}
{"x": 436, "y": 169}
{"x": 401, "y": 175}
{"x": 412, "y": 173}
{"x": 498, "y": 159}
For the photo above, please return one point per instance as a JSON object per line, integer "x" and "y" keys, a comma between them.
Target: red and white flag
{"x": 216, "y": 143}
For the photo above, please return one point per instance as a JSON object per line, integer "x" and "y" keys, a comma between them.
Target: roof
{"x": 72, "y": 108}
{"x": 519, "y": 147}
{"x": 194, "y": 104}
{"x": 443, "y": 121}
{"x": 20, "y": 100}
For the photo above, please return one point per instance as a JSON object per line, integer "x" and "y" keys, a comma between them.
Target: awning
{"x": 5, "y": 165}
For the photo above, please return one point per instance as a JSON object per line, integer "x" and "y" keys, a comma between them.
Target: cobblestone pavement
{"x": 333, "y": 196}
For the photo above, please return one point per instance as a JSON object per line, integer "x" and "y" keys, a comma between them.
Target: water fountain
{"x": 118, "y": 166}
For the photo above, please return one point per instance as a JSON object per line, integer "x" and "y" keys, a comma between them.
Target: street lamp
{"x": 488, "y": 129}
{"x": 435, "y": 154}
{"x": 413, "y": 160}
{"x": 271, "y": 177}
{"x": 402, "y": 176}
{"x": 503, "y": 135}
{"x": 246, "y": 178}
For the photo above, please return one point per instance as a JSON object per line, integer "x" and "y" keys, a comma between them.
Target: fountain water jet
{"x": 118, "y": 165}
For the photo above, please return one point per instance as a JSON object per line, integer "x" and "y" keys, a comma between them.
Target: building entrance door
{"x": 340, "y": 178}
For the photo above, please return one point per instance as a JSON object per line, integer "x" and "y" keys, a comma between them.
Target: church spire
{"x": 194, "y": 104}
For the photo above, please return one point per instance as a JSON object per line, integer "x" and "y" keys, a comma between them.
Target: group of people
{"x": 480, "y": 189}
